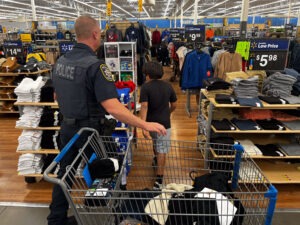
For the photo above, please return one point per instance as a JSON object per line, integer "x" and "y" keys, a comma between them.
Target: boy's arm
{"x": 143, "y": 113}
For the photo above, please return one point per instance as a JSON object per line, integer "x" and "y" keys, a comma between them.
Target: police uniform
{"x": 81, "y": 82}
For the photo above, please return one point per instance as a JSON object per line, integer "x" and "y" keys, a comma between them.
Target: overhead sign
{"x": 195, "y": 33}
{"x": 177, "y": 34}
{"x": 268, "y": 54}
{"x": 140, "y": 5}
{"x": 108, "y": 8}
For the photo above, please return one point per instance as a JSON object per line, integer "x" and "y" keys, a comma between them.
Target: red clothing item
{"x": 155, "y": 37}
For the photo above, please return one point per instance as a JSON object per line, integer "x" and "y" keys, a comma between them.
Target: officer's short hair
{"x": 153, "y": 69}
{"x": 84, "y": 26}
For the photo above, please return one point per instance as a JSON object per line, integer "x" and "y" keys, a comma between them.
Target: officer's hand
{"x": 146, "y": 134}
{"x": 156, "y": 127}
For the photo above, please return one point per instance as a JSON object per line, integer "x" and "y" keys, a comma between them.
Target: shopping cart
{"x": 226, "y": 188}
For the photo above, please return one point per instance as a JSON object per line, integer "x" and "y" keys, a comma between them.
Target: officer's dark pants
{"x": 59, "y": 205}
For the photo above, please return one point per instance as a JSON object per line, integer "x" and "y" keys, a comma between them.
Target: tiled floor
{"x": 21, "y": 215}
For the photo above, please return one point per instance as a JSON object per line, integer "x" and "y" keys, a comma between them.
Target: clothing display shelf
{"x": 11, "y": 87}
{"x": 274, "y": 167}
{"x": 120, "y": 57}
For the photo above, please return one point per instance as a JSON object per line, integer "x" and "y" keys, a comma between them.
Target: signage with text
{"x": 269, "y": 44}
{"x": 177, "y": 34}
{"x": 195, "y": 33}
{"x": 268, "y": 54}
{"x": 13, "y": 48}
{"x": 65, "y": 47}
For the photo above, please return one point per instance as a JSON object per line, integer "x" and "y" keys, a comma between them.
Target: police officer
{"x": 85, "y": 91}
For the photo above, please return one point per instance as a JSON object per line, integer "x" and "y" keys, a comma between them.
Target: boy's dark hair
{"x": 153, "y": 69}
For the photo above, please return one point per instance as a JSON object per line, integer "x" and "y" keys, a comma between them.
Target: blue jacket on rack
{"x": 195, "y": 70}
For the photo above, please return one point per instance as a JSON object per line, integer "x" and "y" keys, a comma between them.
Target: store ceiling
{"x": 127, "y": 9}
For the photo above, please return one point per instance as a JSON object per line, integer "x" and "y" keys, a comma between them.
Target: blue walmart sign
{"x": 269, "y": 44}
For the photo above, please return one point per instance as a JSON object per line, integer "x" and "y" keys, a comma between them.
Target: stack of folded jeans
{"x": 281, "y": 85}
{"x": 246, "y": 91}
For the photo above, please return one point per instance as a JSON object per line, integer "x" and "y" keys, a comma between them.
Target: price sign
{"x": 268, "y": 54}
{"x": 177, "y": 34}
{"x": 65, "y": 47}
{"x": 13, "y": 48}
{"x": 267, "y": 60}
{"x": 195, "y": 33}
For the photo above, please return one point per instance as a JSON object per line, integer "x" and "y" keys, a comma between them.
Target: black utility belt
{"x": 73, "y": 121}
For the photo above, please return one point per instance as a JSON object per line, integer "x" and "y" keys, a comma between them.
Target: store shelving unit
{"x": 120, "y": 64}
{"x": 11, "y": 87}
{"x": 273, "y": 167}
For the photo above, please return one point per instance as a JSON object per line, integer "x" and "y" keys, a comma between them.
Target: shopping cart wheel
{"x": 30, "y": 180}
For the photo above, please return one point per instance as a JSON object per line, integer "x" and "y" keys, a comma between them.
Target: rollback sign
{"x": 268, "y": 54}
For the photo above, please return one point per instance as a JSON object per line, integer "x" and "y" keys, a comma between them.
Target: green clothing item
{"x": 243, "y": 47}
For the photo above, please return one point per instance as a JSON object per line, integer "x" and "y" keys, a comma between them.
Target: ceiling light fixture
{"x": 114, "y": 4}
{"x": 146, "y": 12}
{"x": 167, "y": 9}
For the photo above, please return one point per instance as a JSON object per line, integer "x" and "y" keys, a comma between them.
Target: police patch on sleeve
{"x": 106, "y": 73}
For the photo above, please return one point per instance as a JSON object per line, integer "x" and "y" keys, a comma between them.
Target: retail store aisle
{"x": 13, "y": 215}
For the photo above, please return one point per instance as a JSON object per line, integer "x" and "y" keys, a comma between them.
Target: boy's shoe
{"x": 157, "y": 186}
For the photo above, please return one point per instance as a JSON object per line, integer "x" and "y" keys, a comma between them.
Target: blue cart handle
{"x": 63, "y": 152}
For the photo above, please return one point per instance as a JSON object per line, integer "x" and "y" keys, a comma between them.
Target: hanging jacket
{"x": 156, "y": 37}
{"x": 195, "y": 69}
{"x": 113, "y": 35}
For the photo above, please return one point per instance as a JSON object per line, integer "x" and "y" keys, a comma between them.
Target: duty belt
{"x": 84, "y": 122}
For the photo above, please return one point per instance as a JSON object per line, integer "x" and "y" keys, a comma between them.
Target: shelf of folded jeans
{"x": 215, "y": 155}
{"x": 38, "y": 128}
{"x": 52, "y": 104}
{"x": 280, "y": 172}
{"x": 23, "y": 73}
{"x": 40, "y": 151}
{"x": 265, "y": 105}
{"x": 280, "y": 106}
{"x": 287, "y": 131}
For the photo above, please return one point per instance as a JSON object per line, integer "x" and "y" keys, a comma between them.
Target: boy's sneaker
{"x": 157, "y": 186}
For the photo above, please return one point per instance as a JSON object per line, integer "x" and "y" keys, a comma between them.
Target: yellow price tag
{"x": 108, "y": 8}
{"x": 25, "y": 37}
{"x": 140, "y": 5}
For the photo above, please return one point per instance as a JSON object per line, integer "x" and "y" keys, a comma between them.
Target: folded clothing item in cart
{"x": 104, "y": 168}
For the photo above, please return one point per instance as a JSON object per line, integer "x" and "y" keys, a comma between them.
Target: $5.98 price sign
{"x": 270, "y": 60}
{"x": 264, "y": 59}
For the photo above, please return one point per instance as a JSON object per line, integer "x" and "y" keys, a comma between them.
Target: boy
{"x": 158, "y": 101}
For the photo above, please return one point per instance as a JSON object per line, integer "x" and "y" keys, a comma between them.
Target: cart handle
{"x": 63, "y": 152}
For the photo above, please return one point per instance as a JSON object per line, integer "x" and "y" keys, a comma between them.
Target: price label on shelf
{"x": 195, "y": 33}
{"x": 13, "y": 48}
{"x": 267, "y": 60}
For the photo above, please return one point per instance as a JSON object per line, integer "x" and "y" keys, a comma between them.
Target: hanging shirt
{"x": 243, "y": 47}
